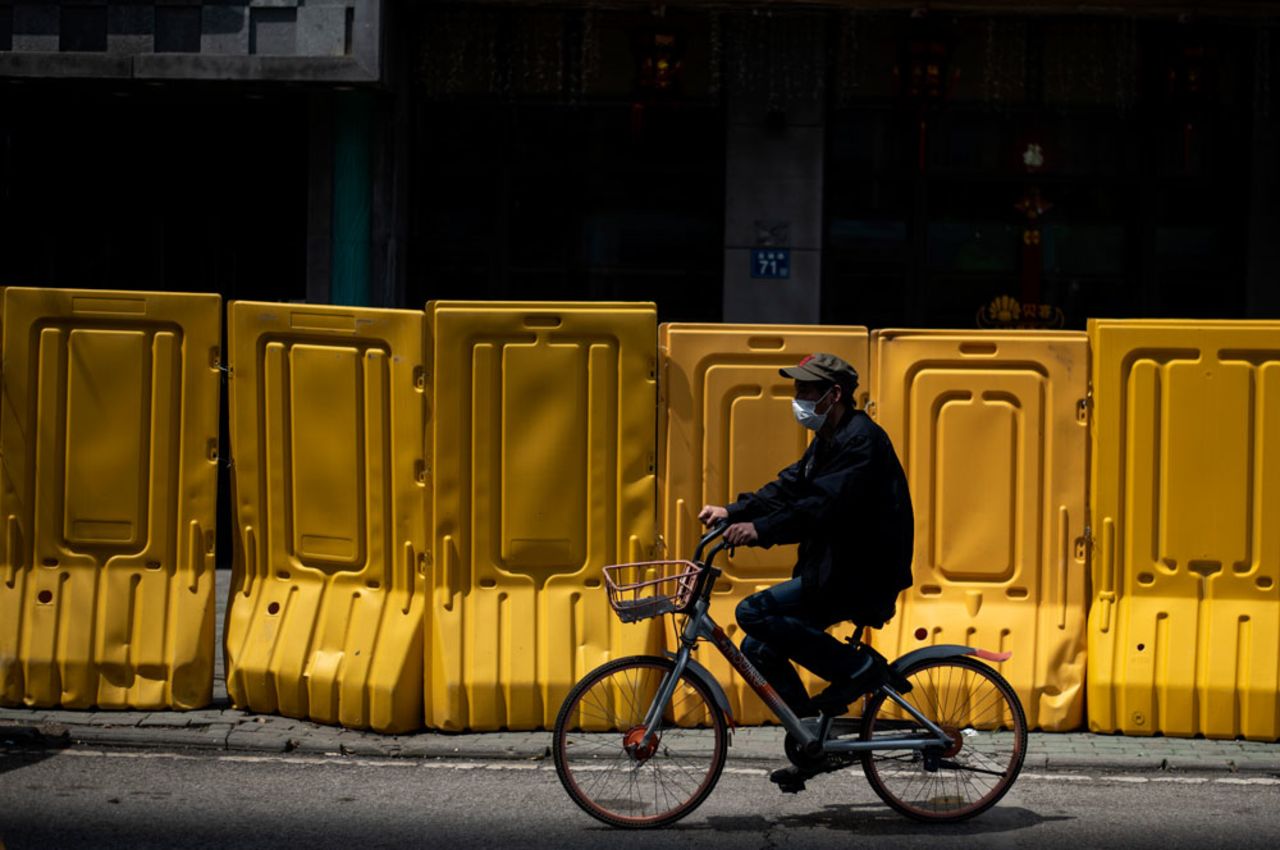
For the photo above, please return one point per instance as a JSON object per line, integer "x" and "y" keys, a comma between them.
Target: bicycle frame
{"x": 700, "y": 626}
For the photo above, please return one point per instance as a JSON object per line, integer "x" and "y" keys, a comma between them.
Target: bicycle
{"x": 641, "y": 741}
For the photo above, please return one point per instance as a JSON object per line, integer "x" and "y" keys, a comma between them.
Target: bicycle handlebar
{"x": 717, "y": 530}
{"x": 709, "y": 571}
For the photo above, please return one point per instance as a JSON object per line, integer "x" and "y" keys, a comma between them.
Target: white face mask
{"x": 806, "y": 413}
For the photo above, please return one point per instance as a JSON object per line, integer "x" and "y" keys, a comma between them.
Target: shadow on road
{"x": 21, "y": 746}
{"x": 874, "y": 819}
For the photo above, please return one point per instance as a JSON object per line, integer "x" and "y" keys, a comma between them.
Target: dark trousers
{"x": 779, "y": 629}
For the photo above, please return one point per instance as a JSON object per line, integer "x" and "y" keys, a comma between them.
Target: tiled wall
{"x": 335, "y": 40}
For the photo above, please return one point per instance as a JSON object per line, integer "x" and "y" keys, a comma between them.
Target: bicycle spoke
{"x": 658, "y": 783}
{"x": 970, "y": 702}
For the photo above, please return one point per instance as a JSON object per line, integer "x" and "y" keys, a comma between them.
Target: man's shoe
{"x": 791, "y": 779}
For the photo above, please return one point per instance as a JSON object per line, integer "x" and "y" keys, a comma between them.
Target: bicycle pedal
{"x": 790, "y": 787}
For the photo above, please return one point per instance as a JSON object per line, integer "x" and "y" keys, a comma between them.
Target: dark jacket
{"x": 846, "y": 503}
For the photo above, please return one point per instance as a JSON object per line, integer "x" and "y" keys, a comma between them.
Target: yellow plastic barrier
{"x": 1184, "y": 630}
{"x": 328, "y": 601}
{"x": 991, "y": 428}
{"x": 542, "y": 472}
{"x": 725, "y": 428}
{"x": 110, "y": 449}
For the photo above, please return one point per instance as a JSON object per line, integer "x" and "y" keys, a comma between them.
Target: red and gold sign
{"x": 1006, "y": 312}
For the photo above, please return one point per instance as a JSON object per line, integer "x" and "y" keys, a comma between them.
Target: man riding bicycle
{"x": 846, "y": 503}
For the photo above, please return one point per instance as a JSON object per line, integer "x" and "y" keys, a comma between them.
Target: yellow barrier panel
{"x": 726, "y": 427}
{"x": 109, "y": 436}
{"x": 328, "y": 601}
{"x": 1184, "y": 631}
{"x": 991, "y": 428}
{"x": 542, "y": 466}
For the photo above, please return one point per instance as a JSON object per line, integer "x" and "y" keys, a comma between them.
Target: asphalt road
{"x": 80, "y": 798}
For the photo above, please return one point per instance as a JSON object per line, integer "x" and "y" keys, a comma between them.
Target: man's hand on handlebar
{"x": 738, "y": 534}
{"x": 712, "y": 514}
{"x": 741, "y": 534}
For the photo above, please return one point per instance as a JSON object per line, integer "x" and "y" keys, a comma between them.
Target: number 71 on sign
{"x": 771, "y": 263}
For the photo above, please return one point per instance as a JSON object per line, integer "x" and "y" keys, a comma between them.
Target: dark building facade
{"x": 909, "y": 164}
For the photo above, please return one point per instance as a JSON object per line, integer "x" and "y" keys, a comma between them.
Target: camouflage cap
{"x": 822, "y": 367}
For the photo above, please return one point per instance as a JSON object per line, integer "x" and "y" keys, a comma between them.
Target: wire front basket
{"x": 650, "y": 588}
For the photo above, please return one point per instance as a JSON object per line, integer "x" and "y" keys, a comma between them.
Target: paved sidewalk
{"x": 222, "y": 728}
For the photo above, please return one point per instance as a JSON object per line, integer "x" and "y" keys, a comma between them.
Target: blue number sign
{"x": 771, "y": 263}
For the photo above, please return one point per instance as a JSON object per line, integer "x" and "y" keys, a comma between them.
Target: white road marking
{"x": 105, "y": 754}
{"x": 336, "y": 759}
{"x": 1257, "y": 780}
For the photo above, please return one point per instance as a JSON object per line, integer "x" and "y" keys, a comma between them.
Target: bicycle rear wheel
{"x": 976, "y": 707}
{"x": 598, "y": 753}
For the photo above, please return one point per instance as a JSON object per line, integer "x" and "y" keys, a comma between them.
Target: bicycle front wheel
{"x": 983, "y": 718}
{"x": 601, "y": 757}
